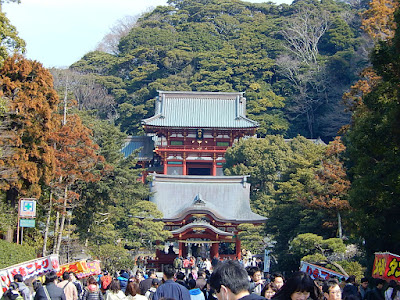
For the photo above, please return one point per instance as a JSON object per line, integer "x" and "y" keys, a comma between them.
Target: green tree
{"x": 252, "y": 237}
{"x": 372, "y": 141}
{"x": 313, "y": 248}
{"x": 10, "y": 42}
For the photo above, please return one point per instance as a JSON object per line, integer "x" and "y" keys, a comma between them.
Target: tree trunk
{"x": 339, "y": 267}
{"x": 46, "y": 229}
{"x": 62, "y": 221}
{"x": 340, "y": 232}
{"x": 56, "y": 233}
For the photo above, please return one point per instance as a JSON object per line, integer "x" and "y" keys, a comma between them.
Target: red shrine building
{"x": 188, "y": 136}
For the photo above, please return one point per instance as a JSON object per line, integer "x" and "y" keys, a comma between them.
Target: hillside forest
{"x": 314, "y": 69}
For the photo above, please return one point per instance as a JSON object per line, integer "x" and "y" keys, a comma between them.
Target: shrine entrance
{"x": 196, "y": 168}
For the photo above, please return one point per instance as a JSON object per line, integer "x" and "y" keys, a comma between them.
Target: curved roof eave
{"x": 196, "y": 210}
{"x": 201, "y": 225}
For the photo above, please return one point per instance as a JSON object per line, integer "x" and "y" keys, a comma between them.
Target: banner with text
{"x": 81, "y": 268}
{"x": 318, "y": 272}
{"x": 386, "y": 266}
{"x": 35, "y": 267}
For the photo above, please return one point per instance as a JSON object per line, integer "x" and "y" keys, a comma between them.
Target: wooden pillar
{"x": 214, "y": 165}
{"x": 165, "y": 172}
{"x": 184, "y": 171}
{"x": 180, "y": 249}
{"x": 214, "y": 250}
{"x": 238, "y": 248}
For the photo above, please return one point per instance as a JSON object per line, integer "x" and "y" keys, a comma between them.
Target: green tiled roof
{"x": 226, "y": 197}
{"x": 144, "y": 143}
{"x": 200, "y": 110}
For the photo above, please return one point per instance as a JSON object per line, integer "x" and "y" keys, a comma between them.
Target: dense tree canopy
{"x": 225, "y": 45}
{"x": 373, "y": 143}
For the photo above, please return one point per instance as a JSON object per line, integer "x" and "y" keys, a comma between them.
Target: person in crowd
{"x": 12, "y": 293}
{"x": 269, "y": 290}
{"x": 180, "y": 278}
{"x": 363, "y": 288}
{"x": 171, "y": 289}
{"x": 22, "y": 287}
{"x": 178, "y": 263}
{"x": 194, "y": 272}
{"x": 208, "y": 292}
{"x": 278, "y": 279}
{"x": 139, "y": 276}
{"x": 208, "y": 265}
{"x": 77, "y": 284}
{"x": 123, "y": 280}
{"x": 393, "y": 291}
{"x": 230, "y": 281}
{"x": 186, "y": 265}
{"x": 331, "y": 289}
{"x": 155, "y": 283}
{"x": 195, "y": 293}
{"x": 145, "y": 285}
{"x": 299, "y": 287}
{"x": 70, "y": 291}
{"x": 201, "y": 280}
{"x": 105, "y": 281}
{"x": 114, "y": 291}
{"x": 133, "y": 292}
{"x": 92, "y": 290}
{"x": 256, "y": 282}
{"x": 350, "y": 288}
{"x": 50, "y": 291}
{"x": 377, "y": 292}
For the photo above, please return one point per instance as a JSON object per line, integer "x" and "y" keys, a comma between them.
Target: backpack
{"x": 105, "y": 282}
{"x": 151, "y": 295}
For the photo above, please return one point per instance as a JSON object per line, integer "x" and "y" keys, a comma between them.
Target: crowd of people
{"x": 226, "y": 280}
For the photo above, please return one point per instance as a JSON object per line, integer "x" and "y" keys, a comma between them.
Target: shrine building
{"x": 189, "y": 134}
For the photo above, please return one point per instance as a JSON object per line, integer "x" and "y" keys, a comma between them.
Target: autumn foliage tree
{"x": 75, "y": 158}
{"x": 378, "y": 21}
{"x": 331, "y": 192}
{"x": 32, "y": 101}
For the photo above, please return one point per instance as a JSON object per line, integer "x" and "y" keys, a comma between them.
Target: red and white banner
{"x": 318, "y": 272}
{"x": 386, "y": 266}
{"x": 81, "y": 268}
{"x": 35, "y": 267}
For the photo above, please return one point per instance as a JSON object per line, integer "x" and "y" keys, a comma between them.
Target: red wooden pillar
{"x": 184, "y": 164}
{"x": 238, "y": 248}
{"x": 165, "y": 164}
{"x": 214, "y": 166}
{"x": 180, "y": 248}
{"x": 214, "y": 250}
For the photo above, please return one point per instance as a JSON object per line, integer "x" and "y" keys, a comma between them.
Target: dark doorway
{"x": 199, "y": 171}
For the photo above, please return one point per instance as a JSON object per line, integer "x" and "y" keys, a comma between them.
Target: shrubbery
{"x": 11, "y": 254}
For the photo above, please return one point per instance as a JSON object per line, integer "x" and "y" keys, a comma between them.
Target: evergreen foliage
{"x": 373, "y": 143}
{"x": 12, "y": 254}
{"x": 225, "y": 45}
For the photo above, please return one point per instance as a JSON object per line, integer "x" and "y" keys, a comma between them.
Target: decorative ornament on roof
{"x": 198, "y": 200}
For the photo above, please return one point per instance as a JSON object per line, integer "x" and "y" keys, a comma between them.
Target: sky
{"x": 59, "y": 32}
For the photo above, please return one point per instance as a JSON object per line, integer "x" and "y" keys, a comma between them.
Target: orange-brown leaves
{"x": 378, "y": 20}
{"x": 333, "y": 181}
{"x": 76, "y": 154}
{"x": 353, "y": 98}
{"x": 32, "y": 101}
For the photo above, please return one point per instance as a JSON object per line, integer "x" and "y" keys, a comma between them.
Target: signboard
{"x": 27, "y": 208}
{"x": 318, "y": 272}
{"x": 35, "y": 267}
{"x": 81, "y": 268}
{"x": 27, "y": 223}
{"x": 386, "y": 266}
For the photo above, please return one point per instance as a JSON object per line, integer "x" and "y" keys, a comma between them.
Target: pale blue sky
{"x": 60, "y": 32}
